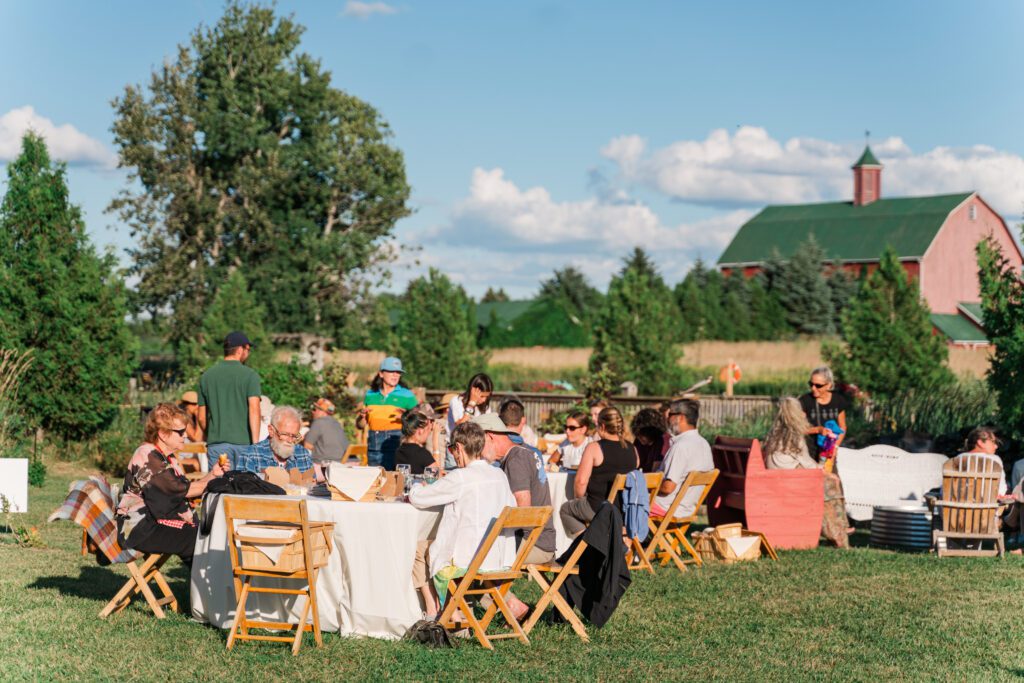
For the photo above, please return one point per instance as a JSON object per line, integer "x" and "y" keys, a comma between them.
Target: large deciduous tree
{"x": 242, "y": 155}
{"x": 437, "y": 333}
{"x": 889, "y": 346}
{"x": 61, "y": 299}
{"x": 637, "y": 327}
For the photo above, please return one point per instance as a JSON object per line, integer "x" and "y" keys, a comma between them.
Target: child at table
{"x": 473, "y": 496}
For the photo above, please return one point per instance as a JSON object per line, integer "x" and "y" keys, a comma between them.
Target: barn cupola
{"x": 867, "y": 178}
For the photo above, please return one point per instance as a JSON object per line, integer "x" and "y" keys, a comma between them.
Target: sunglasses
{"x": 179, "y": 432}
{"x": 815, "y": 385}
{"x": 572, "y": 428}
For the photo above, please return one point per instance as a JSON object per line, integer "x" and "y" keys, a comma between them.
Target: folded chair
{"x": 303, "y": 549}
{"x": 90, "y": 504}
{"x": 970, "y": 486}
{"x": 357, "y": 451}
{"x": 668, "y": 537}
{"x": 635, "y": 557}
{"x": 476, "y": 583}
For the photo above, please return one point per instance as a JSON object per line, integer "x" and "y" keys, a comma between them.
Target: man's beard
{"x": 673, "y": 428}
{"x": 281, "y": 449}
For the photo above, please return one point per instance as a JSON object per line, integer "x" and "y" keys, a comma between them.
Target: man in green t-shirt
{"x": 229, "y": 403}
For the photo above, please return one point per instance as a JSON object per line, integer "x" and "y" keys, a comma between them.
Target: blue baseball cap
{"x": 391, "y": 364}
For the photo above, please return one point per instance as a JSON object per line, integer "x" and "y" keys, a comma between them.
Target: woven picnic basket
{"x": 713, "y": 546}
{"x": 290, "y": 560}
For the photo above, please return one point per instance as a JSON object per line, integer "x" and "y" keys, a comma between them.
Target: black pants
{"x": 150, "y": 537}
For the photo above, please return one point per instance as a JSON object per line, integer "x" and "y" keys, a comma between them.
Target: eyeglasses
{"x": 284, "y": 436}
{"x": 179, "y": 432}
{"x": 572, "y": 428}
{"x": 815, "y": 385}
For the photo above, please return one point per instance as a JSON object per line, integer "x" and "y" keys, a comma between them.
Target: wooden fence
{"x": 714, "y": 410}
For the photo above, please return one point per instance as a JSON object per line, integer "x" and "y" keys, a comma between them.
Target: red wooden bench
{"x": 785, "y": 505}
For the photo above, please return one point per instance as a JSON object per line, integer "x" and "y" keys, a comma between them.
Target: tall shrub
{"x": 888, "y": 345}
{"x": 437, "y": 333}
{"x": 636, "y": 328}
{"x": 61, "y": 299}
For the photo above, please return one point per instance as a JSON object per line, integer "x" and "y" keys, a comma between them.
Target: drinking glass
{"x": 406, "y": 472}
{"x": 431, "y": 474}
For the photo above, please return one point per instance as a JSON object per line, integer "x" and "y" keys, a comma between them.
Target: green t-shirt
{"x": 225, "y": 390}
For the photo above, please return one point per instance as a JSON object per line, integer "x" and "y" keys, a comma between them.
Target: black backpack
{"x": 238, "y": 482}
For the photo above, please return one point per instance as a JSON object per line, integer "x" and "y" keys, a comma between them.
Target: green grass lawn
{"x": 862, "y": 614}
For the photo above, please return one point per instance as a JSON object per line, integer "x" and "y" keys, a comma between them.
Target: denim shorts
{"x": 381, "y": 447}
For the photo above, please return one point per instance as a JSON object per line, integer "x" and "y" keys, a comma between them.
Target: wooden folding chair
{"x": 634, "y": 546}
{"x": 477, "y": 583}
{"x": 304, "y": 563}
{"x": 542, "y": 576}
{"x": 138, "y": 582}
{"x": 357, "y": 451}
{"x": 669, "y": 534}
{"x": 192, "y": 456}
{"x": 970, "y": 486}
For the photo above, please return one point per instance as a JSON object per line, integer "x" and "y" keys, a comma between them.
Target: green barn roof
{"x": 846, "y": 232}
{"x": 958, "y": 328}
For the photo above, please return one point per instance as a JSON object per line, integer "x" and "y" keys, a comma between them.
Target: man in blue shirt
{"x": 282, "y": 448}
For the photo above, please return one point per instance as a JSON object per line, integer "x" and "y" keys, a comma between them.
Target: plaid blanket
{"x": 90, "y": 505}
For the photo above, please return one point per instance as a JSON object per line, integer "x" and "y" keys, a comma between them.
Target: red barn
{"x": 934, "y": 238}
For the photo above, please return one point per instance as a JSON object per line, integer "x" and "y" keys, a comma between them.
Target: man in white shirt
{"x": 473, "y": 496}
{"x": 688, "y": 452}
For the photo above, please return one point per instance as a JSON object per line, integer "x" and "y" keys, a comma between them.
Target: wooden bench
{"x": 784, "y": 505}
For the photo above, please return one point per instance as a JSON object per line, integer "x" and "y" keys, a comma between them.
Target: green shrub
{"x": 753, "y": 426}
{"x": 37, "y": 473}
{"x": 290, "y": 384}
{"x": 115, "y": 445}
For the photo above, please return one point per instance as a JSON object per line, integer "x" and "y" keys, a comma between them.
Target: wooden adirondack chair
{"x": 970, "y": 485}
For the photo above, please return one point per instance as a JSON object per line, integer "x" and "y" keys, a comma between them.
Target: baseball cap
{"x": 427, "y": 411}
{"x": 236, "y": 339}
{"x": 324, "y": 405}
{"x": 490, "y": 422}
{"x": 190, "y": 397}
{"x": 391, "y": 364}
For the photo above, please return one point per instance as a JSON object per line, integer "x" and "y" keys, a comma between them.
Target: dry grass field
{"x": 755, "y": 358}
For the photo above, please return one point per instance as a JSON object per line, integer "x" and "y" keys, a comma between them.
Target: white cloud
{"x": 749, "y": 168}
{"x": 364, "y": 10}
{"x": 66, "y": 143}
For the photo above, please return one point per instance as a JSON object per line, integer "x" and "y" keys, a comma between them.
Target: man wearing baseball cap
{"x": 326, "y": 437}
{"x": 229, "y": 402}
{"x": 382, "y": 410}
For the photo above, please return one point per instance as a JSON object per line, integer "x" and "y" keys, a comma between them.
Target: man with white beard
{"x": 688, "y": 452}
{"x": 282, "y": 448}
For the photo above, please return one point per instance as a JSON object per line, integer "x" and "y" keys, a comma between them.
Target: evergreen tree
{"x": 1002, "y": 301}
{"x": 689, "y": 299}
{"x": 713, "y": 295}
{"x": 842, "y": 287}
{"x": 241, "y": 154}
{"x": 494, "y": 296}
{"x": 234, "y": 307}
{"x": 570, "y": 289}
{"x": 437, "y": 333}
{"x": 888, "y": 342}
{"x": 803, "y": 290}
{"x": 636, "y": 328}
{"x": 61, "y": 299}
{"x": 767, "y": 317}
{"x": 736, "y": 321}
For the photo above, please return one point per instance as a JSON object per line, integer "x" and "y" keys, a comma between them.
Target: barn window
{"x": 972, "y": 212}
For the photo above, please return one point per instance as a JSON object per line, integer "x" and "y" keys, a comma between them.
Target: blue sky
{"x": 541, "y": 134}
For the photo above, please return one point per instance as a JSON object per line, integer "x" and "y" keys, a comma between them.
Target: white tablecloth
{"x": 365, "y": 588}
{"x": 560, "y": 485}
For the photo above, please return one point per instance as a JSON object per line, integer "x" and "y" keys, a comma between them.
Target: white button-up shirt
{"x": 473, "y": 497}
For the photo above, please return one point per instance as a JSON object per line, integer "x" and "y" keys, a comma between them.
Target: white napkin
{"x": 741, "y": 544}
{"x": 272, "y": 551}
{"x": 354, "y": 482}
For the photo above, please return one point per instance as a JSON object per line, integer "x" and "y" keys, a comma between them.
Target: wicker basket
{"x": 291, "y": 559}
{"x": 712, "y": 545}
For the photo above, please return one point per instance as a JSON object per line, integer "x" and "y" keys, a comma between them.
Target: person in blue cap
{"x": 385, "y": 403}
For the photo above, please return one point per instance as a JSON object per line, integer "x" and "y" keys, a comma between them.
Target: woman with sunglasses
{"x": 153, "y": 515}
{"x": 821, "y": 405}
{"x": 577, "y": 437}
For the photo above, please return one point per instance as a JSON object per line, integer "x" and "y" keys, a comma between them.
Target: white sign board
{"x": 14, "y": 482}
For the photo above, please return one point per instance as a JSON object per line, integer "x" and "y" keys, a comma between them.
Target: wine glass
{"x": 431, "y": 474}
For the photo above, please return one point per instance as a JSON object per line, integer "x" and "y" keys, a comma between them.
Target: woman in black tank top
{"x": 602, "y": 461}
